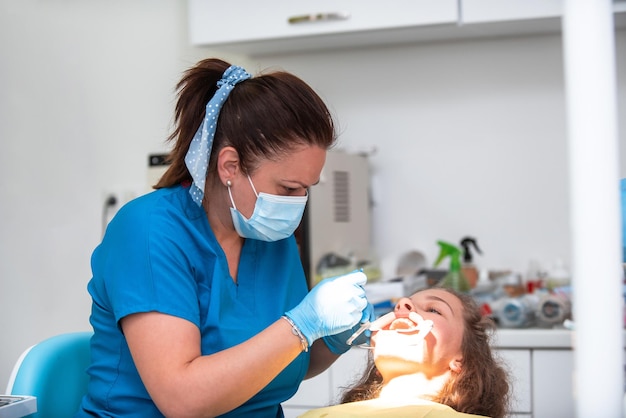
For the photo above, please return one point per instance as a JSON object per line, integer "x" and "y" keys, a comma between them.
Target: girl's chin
{"x": 392, "y": 367}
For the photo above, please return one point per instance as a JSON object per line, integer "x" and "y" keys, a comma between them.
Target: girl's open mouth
{"x": 410, "y": 324}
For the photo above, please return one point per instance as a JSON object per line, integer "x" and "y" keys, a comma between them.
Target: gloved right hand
{"x": 335, "y": 305}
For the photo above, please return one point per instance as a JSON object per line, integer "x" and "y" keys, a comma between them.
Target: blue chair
{"x": 54, "y": 371}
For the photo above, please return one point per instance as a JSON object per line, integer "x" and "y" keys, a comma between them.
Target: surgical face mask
{"x": 274, "y": 218}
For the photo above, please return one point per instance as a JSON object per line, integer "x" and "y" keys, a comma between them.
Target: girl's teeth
{"x": 402, "y": 324}
{"x": 407, "y": 325}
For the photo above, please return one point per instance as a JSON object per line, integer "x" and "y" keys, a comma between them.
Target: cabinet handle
{"x": 318, "y": 17}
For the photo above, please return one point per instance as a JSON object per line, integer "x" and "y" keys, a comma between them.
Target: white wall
{"x": 471, "y": 141}
{"x": 470, "y": 138}
{"x": 86, "y": 93}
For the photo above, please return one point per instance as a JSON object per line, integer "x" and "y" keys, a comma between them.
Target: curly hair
{"x": 481, "y": 387}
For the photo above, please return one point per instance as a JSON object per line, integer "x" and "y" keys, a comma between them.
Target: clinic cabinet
{"x": 539, "y": 361}
{"x": 483, "y": 11}
{"x": 275, "y": 26}
{"x": 254, "y": 27}
{"x": 523, "y": 16}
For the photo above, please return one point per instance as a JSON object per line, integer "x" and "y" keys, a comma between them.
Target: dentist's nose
{"x": 403, "y": 307}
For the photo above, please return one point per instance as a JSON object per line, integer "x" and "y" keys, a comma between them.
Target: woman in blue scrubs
{"x": 200, "y": 303}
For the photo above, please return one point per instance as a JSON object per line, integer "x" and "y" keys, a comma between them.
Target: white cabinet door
{"x": 478, "y": 11}
{"x": 347, "y": 370}
{"x": 251, "y": 21}
{"x": 294, "y": 412}
{"x": 518, "y": 365}
{"x": 325, "y": 389}
{"x": 483, "y": 11}
{"x": 553, "y": 384}
{"x": 312, "y": 393}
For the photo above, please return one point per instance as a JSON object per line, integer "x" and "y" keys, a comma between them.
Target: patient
{"x": 450, "y": 371}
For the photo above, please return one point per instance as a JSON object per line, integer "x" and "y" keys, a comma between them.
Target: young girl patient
{"x": 449, "y": 372}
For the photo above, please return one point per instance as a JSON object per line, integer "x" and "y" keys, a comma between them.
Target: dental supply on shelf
{"x": 554, "y": 309}
{"x": 468, "y": 267}
{"x": 516, "y": 312}
{"x": 455, "y": 278}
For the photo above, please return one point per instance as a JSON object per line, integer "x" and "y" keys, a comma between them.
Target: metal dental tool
{"x": 364, "y": 327}
{"x": 372, "y": 326}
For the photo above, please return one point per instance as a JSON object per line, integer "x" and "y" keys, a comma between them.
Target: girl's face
{"x": 398, "y": 354}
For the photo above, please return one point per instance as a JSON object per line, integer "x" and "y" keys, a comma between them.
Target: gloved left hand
{"x": 337, "y": 343}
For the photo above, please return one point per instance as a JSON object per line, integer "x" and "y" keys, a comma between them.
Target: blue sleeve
{"x": 144, "y": 265}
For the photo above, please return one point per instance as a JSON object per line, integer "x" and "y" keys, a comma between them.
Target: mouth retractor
{"x": 423, "y": 326}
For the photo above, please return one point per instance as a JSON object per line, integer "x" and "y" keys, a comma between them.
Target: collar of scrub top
{"x": 197, "y": 158}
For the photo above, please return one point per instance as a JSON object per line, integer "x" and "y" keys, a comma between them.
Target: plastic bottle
{"x": 517, "y": 312}
{"x": 535, "y": 277}
{"x": 468, "y": 268}
{"x": 553, "y": 309}
{"x": 455, "y": 278}
{"x": 557, "y": 275}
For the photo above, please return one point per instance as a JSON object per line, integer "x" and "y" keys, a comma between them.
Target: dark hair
{"x": 481, "y": 386}
{"x": 264, "y": 117}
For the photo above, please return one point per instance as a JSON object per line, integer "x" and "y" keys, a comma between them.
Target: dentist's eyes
{"x": 294, "y": 191}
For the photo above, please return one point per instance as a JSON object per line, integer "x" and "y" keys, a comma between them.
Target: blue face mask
{"x": 274, "y": 218}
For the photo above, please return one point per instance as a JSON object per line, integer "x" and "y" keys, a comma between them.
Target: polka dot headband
{"x": 197, "y": 158}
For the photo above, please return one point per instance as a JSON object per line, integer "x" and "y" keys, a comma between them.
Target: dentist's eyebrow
{"x": 300, "y": 183}
{"x": 437, "y": 298}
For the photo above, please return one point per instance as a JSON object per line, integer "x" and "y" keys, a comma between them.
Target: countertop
{"x": 537, "y": 338}
{"x": 533, "y": 338}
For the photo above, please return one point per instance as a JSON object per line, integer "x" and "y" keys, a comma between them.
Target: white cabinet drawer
{"x": 257, "y": 23}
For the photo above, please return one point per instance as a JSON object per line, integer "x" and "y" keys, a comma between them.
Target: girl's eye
{"x": 433, "y": 310}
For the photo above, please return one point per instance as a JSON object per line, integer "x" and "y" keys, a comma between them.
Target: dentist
{"x": 200, "y": 302}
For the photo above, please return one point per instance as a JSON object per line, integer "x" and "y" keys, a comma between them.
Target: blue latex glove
{"x": 335, "y": 305}
{"x": 337, "y": 343}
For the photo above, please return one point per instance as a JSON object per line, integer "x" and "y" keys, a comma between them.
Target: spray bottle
{"x": 468, "y": 268}
{"x": 455, "y": 278}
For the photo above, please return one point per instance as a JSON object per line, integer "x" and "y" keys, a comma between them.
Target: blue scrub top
{"x": 160, "y": 254}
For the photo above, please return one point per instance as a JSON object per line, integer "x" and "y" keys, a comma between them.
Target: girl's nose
{"x": 403, "y": 307}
